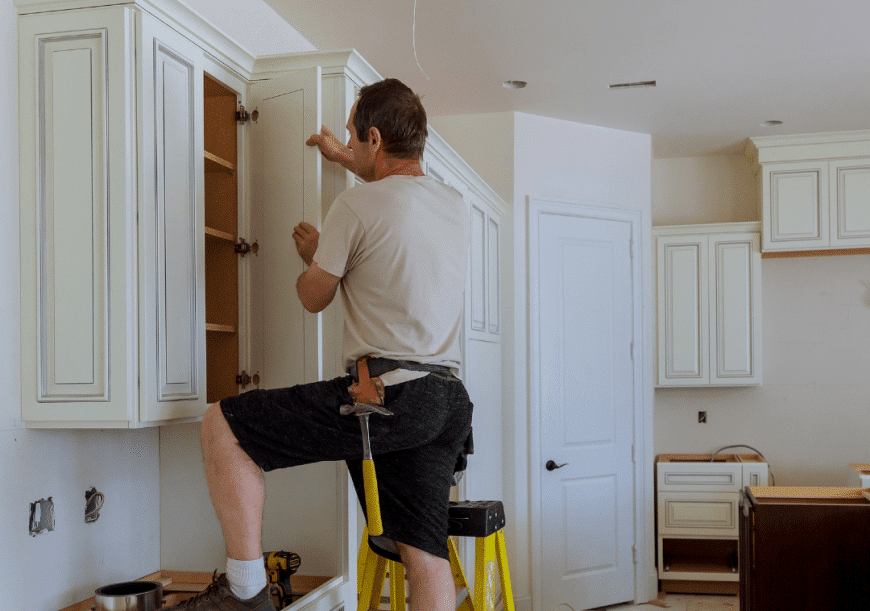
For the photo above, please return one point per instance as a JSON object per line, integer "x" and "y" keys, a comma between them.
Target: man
{"x": 397, "y": 247}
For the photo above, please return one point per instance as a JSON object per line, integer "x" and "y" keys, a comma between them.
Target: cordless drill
{"x": 279, "y": 567}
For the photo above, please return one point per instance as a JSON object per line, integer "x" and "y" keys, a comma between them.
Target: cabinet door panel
{"x": 683, "y": 319}
{"x": 735, "y": 309}
{"x": 477, "y": 310}
{"x": 850, "y": 203}
{"x": 172, "y": 280}
{"x": 74, "y": 214}
{"x": 76, "y": 261}
{"x": 795, "y": 207}
{"x": 286, "y": 190}
{"x": 700, "y": 515}
{"x": 492, "y": 266}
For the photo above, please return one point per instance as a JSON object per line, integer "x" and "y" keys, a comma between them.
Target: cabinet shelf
{"x": 220, "y": 328}
{"x": 213, "y": 163}
{"x": 217, "y": 233}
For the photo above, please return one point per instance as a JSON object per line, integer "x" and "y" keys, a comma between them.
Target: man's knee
{"x": 416, "y": 559}
{"x": 215, "y": 426}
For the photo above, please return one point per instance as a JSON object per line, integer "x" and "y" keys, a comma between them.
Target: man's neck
{"x": 387, "y": 166}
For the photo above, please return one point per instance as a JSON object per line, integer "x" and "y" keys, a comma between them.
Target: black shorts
{"x": 416, "y": 450}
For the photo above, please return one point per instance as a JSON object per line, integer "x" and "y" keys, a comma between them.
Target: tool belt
{"x": 378, "y": 366}
{"x": 369, "y": 388}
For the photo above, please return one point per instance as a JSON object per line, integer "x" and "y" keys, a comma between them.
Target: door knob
{"x": 552, "y": 466}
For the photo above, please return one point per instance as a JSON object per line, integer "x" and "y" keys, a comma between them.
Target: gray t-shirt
{"x": 400, "y": 246}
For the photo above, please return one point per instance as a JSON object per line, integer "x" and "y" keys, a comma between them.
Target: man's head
{"x": 398, "y": 115}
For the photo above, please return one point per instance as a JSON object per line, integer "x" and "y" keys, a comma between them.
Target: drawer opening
{"x": 699, "y": 556}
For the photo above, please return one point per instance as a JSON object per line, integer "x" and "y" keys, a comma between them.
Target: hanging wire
{"x": 414, "y": 41}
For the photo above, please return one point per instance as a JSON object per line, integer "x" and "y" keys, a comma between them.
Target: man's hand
{"x": 306, "y": 238}
{"x": 332, "y": 148}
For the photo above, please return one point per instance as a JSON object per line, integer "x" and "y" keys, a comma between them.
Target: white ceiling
{"x": 722, "y": 67}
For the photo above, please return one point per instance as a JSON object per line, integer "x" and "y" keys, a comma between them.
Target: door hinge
{"x": 243, "y": 379}
{"x": 631, "y": 248}
{"x": 631, "y": 350}
{"x": 632, "y": 453}
{"x": 634, "y": 554}
{"x": 243, "y": 115}
{"x": 244, "y": 248}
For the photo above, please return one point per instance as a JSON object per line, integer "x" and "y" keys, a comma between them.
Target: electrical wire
{"x": 741, "y": 445}
{"x": 414, "y": 41}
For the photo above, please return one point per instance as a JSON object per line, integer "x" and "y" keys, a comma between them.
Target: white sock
{"x": 246, "y": 577}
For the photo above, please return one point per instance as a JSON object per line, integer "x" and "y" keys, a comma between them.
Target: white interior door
{"x": 582, "y": 327}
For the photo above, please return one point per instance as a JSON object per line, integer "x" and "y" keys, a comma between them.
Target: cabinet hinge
{"x": 244, "y": 248}
{"x": 243, "y": 115}
{"x": 243, "y": 379}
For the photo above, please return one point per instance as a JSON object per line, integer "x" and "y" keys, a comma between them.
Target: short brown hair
{"x": 397, "y": 112}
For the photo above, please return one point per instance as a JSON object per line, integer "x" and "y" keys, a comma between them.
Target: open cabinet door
{"x": 285, "y": 189}
{"x": 287, "y": 341}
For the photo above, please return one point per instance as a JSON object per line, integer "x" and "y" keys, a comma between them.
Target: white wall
{"x": 810, "y": 417}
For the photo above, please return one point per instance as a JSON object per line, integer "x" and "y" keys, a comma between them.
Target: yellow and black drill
{"x": 279, "y": 567}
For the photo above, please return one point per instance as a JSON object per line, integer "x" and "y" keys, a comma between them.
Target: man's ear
{"x": 374, "y": 139}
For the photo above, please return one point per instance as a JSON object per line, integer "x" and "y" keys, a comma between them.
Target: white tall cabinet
{"x": 709, "y": 304}
{"x": 133, "y": 208}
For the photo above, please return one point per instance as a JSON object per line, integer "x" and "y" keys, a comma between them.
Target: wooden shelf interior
{"x": 700, "y": 556}
{"x": 221, "y": 234}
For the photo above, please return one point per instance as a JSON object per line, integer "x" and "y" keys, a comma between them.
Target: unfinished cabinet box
{"x": 709, "y": 304}
{"x": 697, "y": 506}
{"x": 814, "y": 190}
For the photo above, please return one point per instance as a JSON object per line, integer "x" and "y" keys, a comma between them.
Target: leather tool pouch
{"x": 366, "y": 389}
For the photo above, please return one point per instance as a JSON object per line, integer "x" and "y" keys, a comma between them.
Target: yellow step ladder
{"x": 483, "y": 520}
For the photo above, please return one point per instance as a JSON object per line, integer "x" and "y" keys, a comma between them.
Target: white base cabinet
{"x": 697, "y": 504}
{"x": 709, "y": 305}
{"x": 814, "y": 190}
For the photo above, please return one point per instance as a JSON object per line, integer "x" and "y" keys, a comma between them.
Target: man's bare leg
{"x": 236, "y": 486}
{"x": 430, "y": 580}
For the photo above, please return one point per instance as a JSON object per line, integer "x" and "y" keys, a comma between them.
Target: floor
{"x": 686, "y": 602}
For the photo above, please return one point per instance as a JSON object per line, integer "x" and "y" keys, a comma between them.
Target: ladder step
{"x": 475, "y": 518}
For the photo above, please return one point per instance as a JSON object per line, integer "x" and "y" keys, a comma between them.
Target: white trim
{"x": 645, "y": 576}
{"x": 752, "y": 227}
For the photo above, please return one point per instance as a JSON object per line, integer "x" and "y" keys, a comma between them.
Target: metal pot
{"x": 129, "y": 596}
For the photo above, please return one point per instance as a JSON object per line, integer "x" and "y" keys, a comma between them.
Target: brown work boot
{"x": 219, "y": 597}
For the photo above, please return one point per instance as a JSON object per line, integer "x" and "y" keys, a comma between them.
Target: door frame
{"x": 644, "y": 585}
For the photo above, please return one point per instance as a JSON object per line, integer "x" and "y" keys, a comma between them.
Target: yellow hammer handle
{"x": 373, "y": 503}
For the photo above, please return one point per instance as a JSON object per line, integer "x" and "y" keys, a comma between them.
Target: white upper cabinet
{"x": 709, "y": 305}
{"x": 814, "y": 190}
{"x": 112, "y": 333}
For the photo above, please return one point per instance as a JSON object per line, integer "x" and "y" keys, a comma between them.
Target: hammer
{"x": 370, "y": 482}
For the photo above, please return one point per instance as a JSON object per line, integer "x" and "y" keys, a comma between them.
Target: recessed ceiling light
{"x": 514, "y": 84}
{"x": 771, "y": 123}
{"x": 632, "y": 85}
